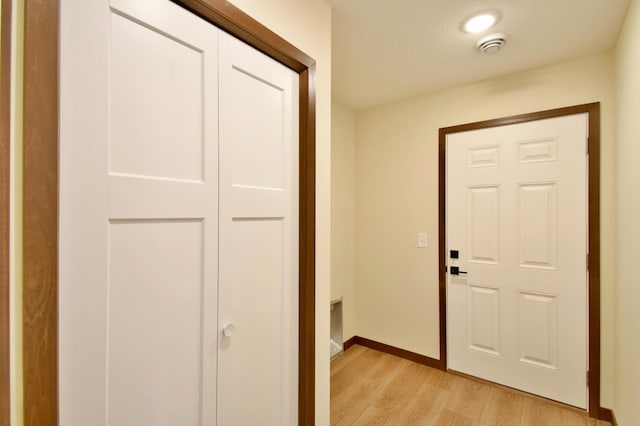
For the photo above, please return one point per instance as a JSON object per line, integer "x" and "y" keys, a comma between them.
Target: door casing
{"x": 40, "y": 198}
{"x": 593, "y": 238}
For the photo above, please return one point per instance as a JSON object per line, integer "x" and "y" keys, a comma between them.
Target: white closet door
{"x": 258, "y": 359}
{"x": 138, "y": 218}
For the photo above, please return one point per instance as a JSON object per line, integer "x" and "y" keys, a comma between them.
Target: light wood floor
{"x": 374, "y": 388}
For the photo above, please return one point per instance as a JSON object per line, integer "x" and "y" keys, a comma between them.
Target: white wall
{"x": 343, "y": 213}
{"x": 397, "y": 196}
{"x": 628, "y": 221}
{"x": 307, "y": 25}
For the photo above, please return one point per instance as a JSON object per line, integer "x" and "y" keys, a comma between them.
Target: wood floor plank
{"x": 451, "y": 418}
{"x": 503, "y": 408}
{"x": 468, "y": 398}
{"x": 351, "y": 402}
{"x": 369, "y": 387}
{"x": 571, "y": 418}
{"x": 426, "y": 407}
{"x": 359, "y": 367}
{"x": 395, "y": 396}
{"x": 536, "y": 413}
{"x": 346, "y": 358}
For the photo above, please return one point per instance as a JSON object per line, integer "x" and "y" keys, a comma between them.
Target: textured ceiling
{"x": 385, "y": 50}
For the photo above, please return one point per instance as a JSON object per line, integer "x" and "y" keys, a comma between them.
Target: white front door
{"x": 517, "y": 217}
{"x": 172, "y": 225}
{"x": 258, "y": 367}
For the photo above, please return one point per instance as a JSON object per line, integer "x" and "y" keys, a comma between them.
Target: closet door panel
{"x": 257, "y": 372}
{"x": 138, "y": 215}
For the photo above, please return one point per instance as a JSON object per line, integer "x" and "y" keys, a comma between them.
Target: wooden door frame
{"x": 5, "y": 206}
{"x": 593, "y": 242}
{"x": 40, "y": 197}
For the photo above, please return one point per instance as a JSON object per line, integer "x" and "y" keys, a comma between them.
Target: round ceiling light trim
{"x": 491, "y": 44}
{"x": 480, "y": 22}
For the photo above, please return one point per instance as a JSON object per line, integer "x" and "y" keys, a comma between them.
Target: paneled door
{"x": 258, "y": 315}
{"x": 516, "y": 219}
{"x": 178, "y": 222}
{"x": 138, "y": 215}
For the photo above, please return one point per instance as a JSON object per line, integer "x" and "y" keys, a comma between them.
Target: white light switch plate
{"x": 422, "y": 240}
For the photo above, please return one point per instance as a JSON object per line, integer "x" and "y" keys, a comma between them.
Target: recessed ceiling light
{"x": 480, "y": 22}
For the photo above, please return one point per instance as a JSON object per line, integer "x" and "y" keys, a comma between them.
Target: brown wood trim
{"x": 348, "y": 343}
{"x": 307, "y": 247}
{"x": 442, "y": 247}
{"x": 40, "y": 214}
{"x": 234, "y": 21}
{"x": 392, "y": 350}
{"x": 593, "y": 109}
{"x": 593, "y": 274}
{"x": 5, "y": 182}
{"x": 41, "y": 197}
{"x": 522, "y": 118}
{"x": 607, "y": 415}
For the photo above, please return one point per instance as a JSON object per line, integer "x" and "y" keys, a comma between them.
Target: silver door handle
{"x": 228, "y": 330}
